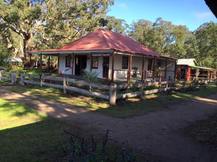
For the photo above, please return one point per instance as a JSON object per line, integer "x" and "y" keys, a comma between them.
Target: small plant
{"x": 90, "y": 149}
{"x": 90, "y": 77}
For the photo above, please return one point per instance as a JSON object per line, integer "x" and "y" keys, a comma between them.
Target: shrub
{"x": 91, "y": 150}
{"x": 90, "y": 77}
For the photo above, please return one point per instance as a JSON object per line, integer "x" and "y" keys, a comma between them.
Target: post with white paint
{"x": 167, "y": 86}
{"x": 13, "y": 78}
{"x": 22, "y": 76}
{"x": 41, "y": 80}
{"x": 64, "y": 85}
{"x": 113, "y": 94}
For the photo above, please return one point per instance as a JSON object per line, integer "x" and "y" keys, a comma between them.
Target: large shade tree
{"x": 50, "y": 23}
{"x": 206, "y": 36}
{"x": 177, "y": 41}
{"x": 161, "y": 35}
{"x": 20, "y": 17}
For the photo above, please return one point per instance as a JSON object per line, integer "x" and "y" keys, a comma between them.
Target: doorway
{"x": 80, "y": 64}
{"x": 105, "y": 67}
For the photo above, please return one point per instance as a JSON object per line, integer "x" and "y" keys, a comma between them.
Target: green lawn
{"x": 26, "y": 135}
{"x": 123, "y": 109}
{"x": 14, "y": 115}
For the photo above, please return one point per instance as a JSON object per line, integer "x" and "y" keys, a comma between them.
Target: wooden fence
{"x": 111, "y": 92}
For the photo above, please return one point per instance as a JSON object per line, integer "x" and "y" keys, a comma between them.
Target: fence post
{"x": 13, "y": 78}
{"x": 41, "y": 80}
{"x": 113, "y": 94}
{"x": 142, "y": 90}
{"x": 64, "y": 85}
{"x": 22, "y": 76}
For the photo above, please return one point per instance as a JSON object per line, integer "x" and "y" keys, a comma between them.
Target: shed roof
{"x": 192, "y": 63}
{"x": 103, "y": 40}
{"x": 189, "y": 62}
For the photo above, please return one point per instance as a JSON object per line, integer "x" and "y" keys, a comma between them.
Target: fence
{"x": 111, "y": 92}
{"x": 6, "y": 77}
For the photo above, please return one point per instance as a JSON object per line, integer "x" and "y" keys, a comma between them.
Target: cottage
{"x": 188, "y": 70}
{"x": 112, "y": 56}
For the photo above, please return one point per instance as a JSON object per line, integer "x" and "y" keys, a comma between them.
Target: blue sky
{"x": 191, "y": 13}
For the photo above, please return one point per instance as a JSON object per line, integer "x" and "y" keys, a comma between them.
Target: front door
{"x": 80, "y": 64}
{"x": 105, "y": 67}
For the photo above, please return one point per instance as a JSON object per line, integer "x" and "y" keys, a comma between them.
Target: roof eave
{"x": 72, "y": 52}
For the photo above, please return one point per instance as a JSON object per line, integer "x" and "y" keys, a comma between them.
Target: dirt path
{"x": 156, "y": 133}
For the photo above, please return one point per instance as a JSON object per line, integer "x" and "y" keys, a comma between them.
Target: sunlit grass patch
{"x": 13, "y": 114}
{"x": 56, "y": 95}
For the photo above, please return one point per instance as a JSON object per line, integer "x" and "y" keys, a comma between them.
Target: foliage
{"x": 49, "y": 23}
{"x": 92, "y": 150}
{"x": 177, "y": 41}
{"x": 116, "y": 25}
{"x": 4, "y": 54}
{"x": 206, "y": 36}
{"x": 91, "y": 77}
{"x": 43, "y": 24}
{"x": 20, "y": 17}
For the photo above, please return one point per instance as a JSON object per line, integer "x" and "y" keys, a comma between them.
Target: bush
{"x": 90, "y": 77}
{"x": 4, "y": 54}
{"x": 91, "y": 150}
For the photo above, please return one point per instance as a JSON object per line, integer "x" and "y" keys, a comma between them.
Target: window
{"x": 68, "y": 61}
{"x": 150, "y": 62}
{"x": 95, "y": 62}
{"x": 124, "y": 62}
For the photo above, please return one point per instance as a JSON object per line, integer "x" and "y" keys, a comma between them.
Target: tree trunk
{"x": 26, "y": 37}
{"x": 24, "y": 49}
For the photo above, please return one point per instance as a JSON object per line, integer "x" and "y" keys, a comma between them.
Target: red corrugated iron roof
{"x": 102, "y": 40}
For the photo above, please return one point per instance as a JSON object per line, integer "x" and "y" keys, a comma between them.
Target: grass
{"x": 204, "y": 131}
{"x": 57, "y": 95}
{"x": 14, "y": 115}
{"x": 131, "y": 107}
{"x": 28, "y": 136}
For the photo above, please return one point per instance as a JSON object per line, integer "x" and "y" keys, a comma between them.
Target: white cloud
{"x": 122, "y": 5}
{"x": 203, "y": 15}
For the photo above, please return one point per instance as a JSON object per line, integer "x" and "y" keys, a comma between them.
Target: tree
{"x": 206, "y": 36}
{"x": 191, "y": 47}
{"x": 116, "y": 25}
{"x": 162, "y": 36}
{"x": 65, "y": 21}
{"x": 20, "y": 16}
{"x": 50, "y": 23}
{"x": 139, "y": 30}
